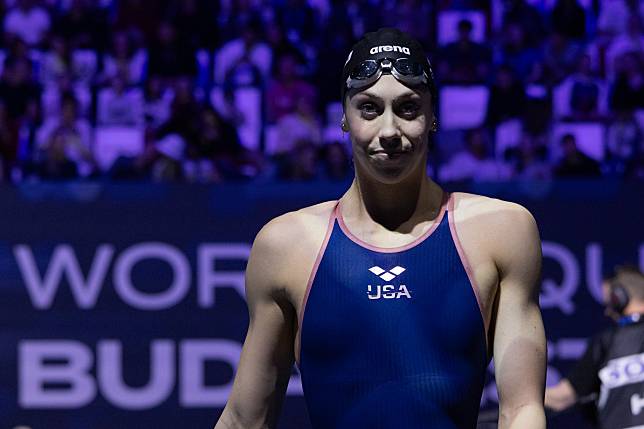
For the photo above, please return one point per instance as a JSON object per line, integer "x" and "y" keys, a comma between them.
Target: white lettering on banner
{"x": 637, "y": 403}
{"x": 209, "y": 278}
{"x": 570, "y": 348}
{"x": 193, "y": 391}
{"x": 110, "y": 375}
{"x": 623, "y": 371}
{"x": 594, "y": 273}
{"x": 34, "y": 372}
{"x": 555, "y": 295}
{"x": 178, "y": 289}
{"x": 63, "y": 263}
{"x": 64, "y": 266}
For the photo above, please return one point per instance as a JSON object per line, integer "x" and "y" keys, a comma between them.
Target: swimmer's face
{"x": 389, "y": 125}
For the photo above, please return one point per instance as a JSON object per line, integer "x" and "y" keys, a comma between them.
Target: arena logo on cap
{"x": 389, "y": 48}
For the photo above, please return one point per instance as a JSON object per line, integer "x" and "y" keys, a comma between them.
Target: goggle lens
{"x": 403, "y": 69}
{"x": 408, "y": 68}
{"x": 365, "y": 70}
{"x": 368, "y": 68}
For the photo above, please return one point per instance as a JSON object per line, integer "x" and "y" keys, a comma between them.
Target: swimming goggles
{"x": 403, "y": 69}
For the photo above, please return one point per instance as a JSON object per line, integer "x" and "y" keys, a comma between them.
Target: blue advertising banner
{"x": 123, "y": 305}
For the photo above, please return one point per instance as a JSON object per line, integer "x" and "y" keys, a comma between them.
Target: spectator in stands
{"x": 337, "y": 165}
{"x": 244, "y": 61}
{"x": 234, "y": 16}
{"x": 26, "y": 143}
{"x": 328, "y": 74}
{"x": 302, "y": 162}
{"x": 613, "y": 16}
{"x": 516, "y": 52}
{"x": 585, "y": 92}
{"x": 298, "y": 19}
{"x": 464, "y": 61}
{"x": 532, "y": 162}
{"x": 125, "y": 59}
{"x": 83, "y": 26}
{"x": 635, "y": 165}
{"x": 17, "y": 88}
{"x": 302, "y": 40}
{"x": 57, "y": 62}
{"x": 167, "y": 58}
{"x": 199, "y": 164}
{"x": 156, "y": 102}
{"x": 64, "y": 144}
{"x": 302, "y": 124}
{"x": 18, "y": 50}
{"x": 474, "y": 163}
{"x": 622, "y": 143}
{"x": 119, "y": 105}
{"x": 62, "y": 61}
{"x": 630, "y": 41}
{"x": 575, "y": 163}
{"x": 628, "y": 90}
{"x": 29, "y": 21}
{"x": 194, "y": 20}
{"x": 507, "y": 97}
{"x": 168, "y": 157}
{"x": 569, "y": 19}
{"x": 219, "y": 143}
{"x": 184, "y": 120}
{"x": 412, "y": 15}
{"x": 280, "y": 45}
{"x": 54, "y": 92}
{"x": 7, "y": 143}
{"x": 560, "y": 57}
{"x": 354, "y": 17}
{"x": 55, "y": 163}
{"x": 527, "y": 17}
{"x": 139, "y": 17}
{"x": 287, "y": 89}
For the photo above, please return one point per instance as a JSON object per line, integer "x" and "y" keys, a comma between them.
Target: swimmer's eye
{"x": 409, "y": 109}
{"x": 368, "y": 109}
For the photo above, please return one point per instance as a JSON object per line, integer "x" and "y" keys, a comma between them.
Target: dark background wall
{"x": 98, "y": 281}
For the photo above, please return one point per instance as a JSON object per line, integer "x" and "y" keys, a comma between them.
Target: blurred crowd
{"x": 214, "y": 91}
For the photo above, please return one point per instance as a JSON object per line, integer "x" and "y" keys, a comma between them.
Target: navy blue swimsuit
{"x": 392, "y": 338}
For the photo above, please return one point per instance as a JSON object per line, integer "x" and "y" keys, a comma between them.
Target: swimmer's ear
{"x": 434, "y": 125}
{"x": 343, "y": 124}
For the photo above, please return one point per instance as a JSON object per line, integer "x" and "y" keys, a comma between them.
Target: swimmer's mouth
{"x": 391, "y": 153}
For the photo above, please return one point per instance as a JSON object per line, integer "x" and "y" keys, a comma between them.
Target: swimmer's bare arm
{"x": 267, "y": 356}
{"x": 519, "y": 339}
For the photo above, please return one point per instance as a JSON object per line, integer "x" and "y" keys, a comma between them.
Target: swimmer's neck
{"x": 390, "y": 205}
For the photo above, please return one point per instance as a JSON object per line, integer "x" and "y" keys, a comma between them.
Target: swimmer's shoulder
{"x": 467, "y": 205}
{"x": 492, "y": 222}
{"x": 298, "y": 227}
{"x": 287, "y": 246}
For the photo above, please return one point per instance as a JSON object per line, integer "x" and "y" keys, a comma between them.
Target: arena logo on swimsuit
{"x": 389, "y": 48}
{"x": 387, "y": 291}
